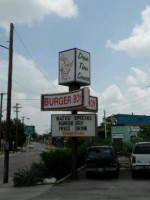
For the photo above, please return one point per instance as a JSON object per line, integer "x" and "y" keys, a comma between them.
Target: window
{"x": 142, "y": 149}
{"x": 100, "y": 153}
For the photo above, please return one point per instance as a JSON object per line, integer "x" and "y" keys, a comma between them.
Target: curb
{"x": 67, "y": 177}
{"x": 62, "y": 180}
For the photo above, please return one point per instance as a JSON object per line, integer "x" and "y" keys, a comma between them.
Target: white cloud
{"x": 139, "y": 77}
{"x": 131, "y": 80}
{"x": 27, "y": 86}
{"x": 112, "y": 92}
{"x": 138, "y": 43}
{"x": 29, "y": 11}
{"x": 114, "y": 100}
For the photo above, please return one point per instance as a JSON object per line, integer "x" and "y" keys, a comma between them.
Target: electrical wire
{"x": 36, "y": 65}
{"x": 38, "y": 68}
{"x": 24, "y": 87}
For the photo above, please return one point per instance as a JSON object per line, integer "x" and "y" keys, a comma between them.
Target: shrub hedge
{"x": 54, "y": 163}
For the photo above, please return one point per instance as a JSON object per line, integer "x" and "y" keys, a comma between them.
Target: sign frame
{"x": 90, "y": 108}
{"x": 118, "y": 136}
{"x": 71, "y": 65}
{"x": 82, "y": 105}
{"x": 29, "y": 132}
{"x": 78, "y": 125}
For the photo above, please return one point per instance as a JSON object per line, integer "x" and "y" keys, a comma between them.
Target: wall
{"x": 127, "y": 131}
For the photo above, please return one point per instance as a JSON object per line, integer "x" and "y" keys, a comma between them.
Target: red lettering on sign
{"x": 92, "y": 103}
{"x": 46, "y": 101}
{"x": 52, "y": 101}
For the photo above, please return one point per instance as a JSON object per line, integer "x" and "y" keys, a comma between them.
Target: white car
{"x": 140, "y": 158}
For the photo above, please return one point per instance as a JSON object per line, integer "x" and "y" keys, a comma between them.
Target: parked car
{"x": 31, "y": 146}
{"x": 140, "y": 158}
{"x": 101, "y": 159}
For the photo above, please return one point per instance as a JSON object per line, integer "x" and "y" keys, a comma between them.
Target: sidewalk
{"x": 7, "y": 191}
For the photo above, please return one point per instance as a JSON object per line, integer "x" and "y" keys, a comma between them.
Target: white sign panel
{"x": 93, "y": 104}
{"x": 135, "y": 129}
{"x": 121, "y": 136}
{"x": 78, "y": 99}
{"x": 67, "y": 67}
{"x": 83, "y": 67}
{"x": 74, "y": 66}
{"x": 73, "y": 125}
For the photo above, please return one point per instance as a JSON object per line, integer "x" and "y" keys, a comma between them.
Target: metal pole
{"x": 6, "y": 151}
{"x": 74, "y": 141}
{"x": 27, "y": 148}
{"x": 105, "y": 124}
{"x": 16, "y": 110}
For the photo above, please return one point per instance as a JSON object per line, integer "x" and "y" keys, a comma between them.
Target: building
{"x": 126, "y": 127}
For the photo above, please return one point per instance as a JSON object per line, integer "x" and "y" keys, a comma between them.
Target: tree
{"x": 101, "y": 128}
{"x": 12, "y": 138}
{"x": 144, "y": 133}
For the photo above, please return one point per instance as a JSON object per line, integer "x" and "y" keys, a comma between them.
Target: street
{"x": 105, "y": 188}
{"x": 19, "y": 160}
{"x": 98, "y": 187}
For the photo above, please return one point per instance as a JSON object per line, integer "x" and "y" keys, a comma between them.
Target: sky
{"x": 115, "y": 32}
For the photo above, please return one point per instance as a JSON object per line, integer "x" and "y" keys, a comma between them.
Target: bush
{"x": 29, "y": 176}
{"x": 57, "y": 163}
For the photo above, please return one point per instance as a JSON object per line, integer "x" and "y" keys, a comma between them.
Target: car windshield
{"x": 142, "y": 149}
{"x": 100, "y": 153}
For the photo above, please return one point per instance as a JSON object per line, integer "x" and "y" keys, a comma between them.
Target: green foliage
{"x": 27, "y": 177}
{"x": 57, "y": 162}
{"x": 144, "y": 133}
{"x": 119, "y": 145}
{"x": 101, "y": 128}
{"x": 122, "y": 148}
{"x": 12, "y": 138}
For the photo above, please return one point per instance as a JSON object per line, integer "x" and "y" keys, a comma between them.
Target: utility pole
{"x": 10, "y": 67}
{"x": 23, "y": 118}
{"x": 1, "y": 115}
{"x": 17, "y": 110}
{"x": 105, "y": 124}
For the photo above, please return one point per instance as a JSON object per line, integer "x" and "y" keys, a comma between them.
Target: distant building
{"x": 124, "y": 119}
{"x": 126, "y": 127}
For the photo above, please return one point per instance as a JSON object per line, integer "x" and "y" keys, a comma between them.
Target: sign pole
{"x": 74, "y": 140}
{"x": 27, "y": 147}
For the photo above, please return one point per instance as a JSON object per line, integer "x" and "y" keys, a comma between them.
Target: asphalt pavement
{"x": 124, "y": 188}
{"x": 7, "y": 191}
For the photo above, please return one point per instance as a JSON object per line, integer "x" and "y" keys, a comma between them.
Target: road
{"x": 19, "y": 160}
{"x": 104, "y": 188}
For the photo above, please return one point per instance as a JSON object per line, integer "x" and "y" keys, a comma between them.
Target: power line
{"x": 24, "y": 99}
{"x": 25, "y": 87}
{"x": 126, "y": 96}
{"x": 36, "y": 65}
{"x": 128, "y": 102}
